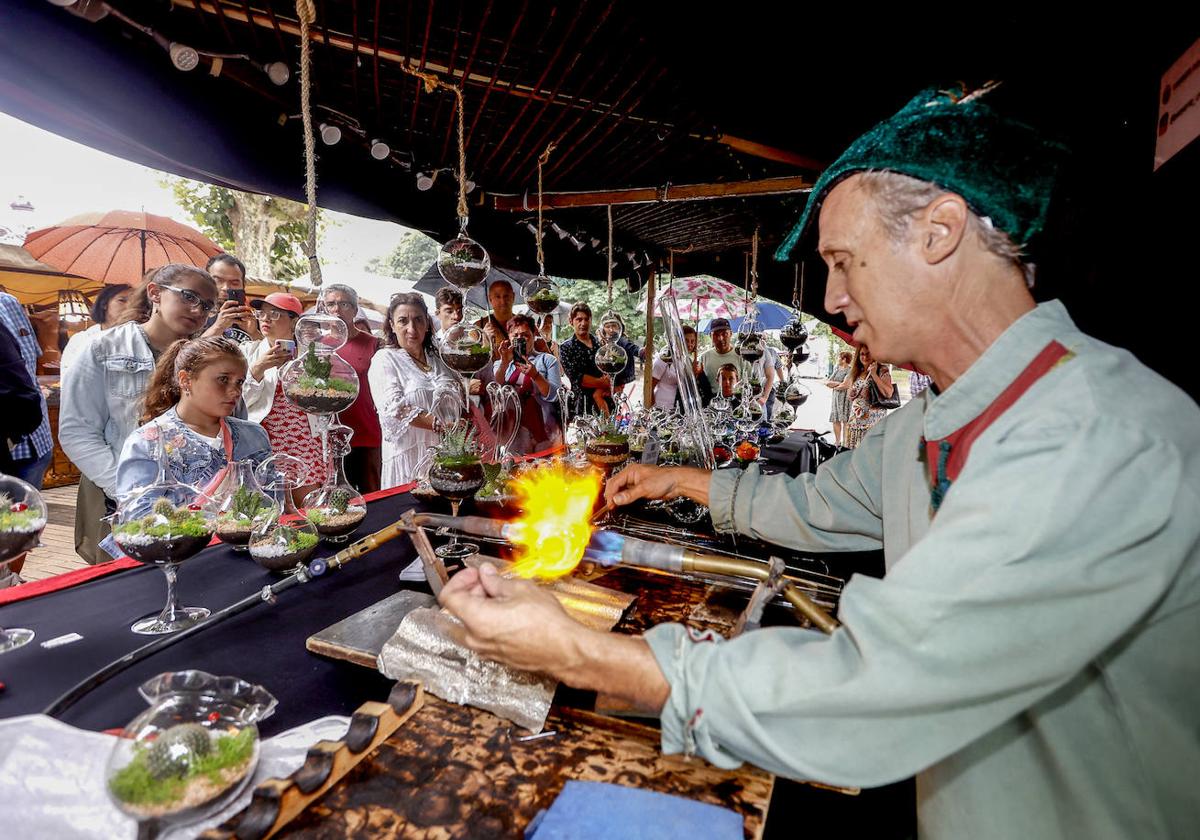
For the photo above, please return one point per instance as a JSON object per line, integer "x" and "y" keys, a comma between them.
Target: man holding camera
{"x": 234, "y": 319}
{"x": 536, "y": 377}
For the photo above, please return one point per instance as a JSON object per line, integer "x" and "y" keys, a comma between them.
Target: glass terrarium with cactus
{"x": 167, "y": 534}
{"x": 240, "y": 505}
{"x": 22, "y": 517}
{"x": 320, "y": 382}
{"x": 335, "y": 511}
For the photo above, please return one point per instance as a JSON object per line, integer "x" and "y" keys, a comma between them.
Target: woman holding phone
{"x": 289, "y": 429}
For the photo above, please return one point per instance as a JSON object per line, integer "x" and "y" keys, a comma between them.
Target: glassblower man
{"x": 1030, "y": 654}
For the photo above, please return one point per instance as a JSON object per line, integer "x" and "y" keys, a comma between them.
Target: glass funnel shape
{"x": 336, "y": 508}
{"x": 283, "y": 540}
{"x": 239, "y": 504}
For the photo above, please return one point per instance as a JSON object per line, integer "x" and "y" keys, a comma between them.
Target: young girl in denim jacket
{"x": 195, "y": 387}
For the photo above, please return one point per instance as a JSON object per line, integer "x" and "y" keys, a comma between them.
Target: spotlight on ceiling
{"x": 578, "y": 243}
{"x": 595, "y": 242}
{"x": 278, "y": 73}
{"x": 380, "y": 150}
{"x": 184, "y": 58}
{"x": 532, "y": 228}
{"x": 562, "y": 234}
{"x": 470, "y": 186}
{"x": 330, "y": 134}
{"x": 425, "y": 180}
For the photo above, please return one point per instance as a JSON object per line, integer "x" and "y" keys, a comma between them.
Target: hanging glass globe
{"x": 465, "y": 348}
{"x": 793, "y": 334}
{"x": 800, "y": 355}
{"x": 541, "y": 294}
{"x": 319, "y": 382}
{"x": 750, "y": 346}
{"x": 611, "y": 358}
{"x": 463, "y": 262}
{"x": 612, "y": 327}
{"x": 321, "y": 328}
{"x": 796, "y": 394}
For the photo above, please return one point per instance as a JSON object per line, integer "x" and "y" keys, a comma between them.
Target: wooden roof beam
{"x": 648, "y": 195}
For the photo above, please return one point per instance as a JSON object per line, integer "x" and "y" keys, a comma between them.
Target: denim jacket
{"x": 190, "y": 459}
{"x": 101, "y": 400}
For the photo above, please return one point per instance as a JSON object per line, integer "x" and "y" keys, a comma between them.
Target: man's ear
{"x": 941, "y": 227}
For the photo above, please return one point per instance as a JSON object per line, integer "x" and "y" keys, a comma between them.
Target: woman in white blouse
{"x": 405, "y": 374}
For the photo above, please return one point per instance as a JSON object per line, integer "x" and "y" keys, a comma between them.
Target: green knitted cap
{"x": 1003, "y": 168}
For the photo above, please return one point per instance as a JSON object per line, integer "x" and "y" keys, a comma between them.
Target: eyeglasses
{"x": 273, "y": 315}
{"x": 191, "y": 299}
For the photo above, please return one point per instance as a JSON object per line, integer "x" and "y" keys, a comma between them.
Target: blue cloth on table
{"x": 600, "y": 811}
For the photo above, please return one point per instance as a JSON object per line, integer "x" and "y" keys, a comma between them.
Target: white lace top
{"x": 402, "y": 391}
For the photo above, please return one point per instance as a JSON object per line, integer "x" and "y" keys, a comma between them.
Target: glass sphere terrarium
{"x": 612, "y": 327}
{"x": 541, "y": 294}
{"x": 320, "y": 382}
{"x": 284, "y": 539}
{"x": 794, "y": 334}
{"x": 22, "y": 520}
{"x": 240, "y": 504}
{"x": 466, "y": 350}
{"x": 463, "y": 262}
{"x": 190, "y": 753}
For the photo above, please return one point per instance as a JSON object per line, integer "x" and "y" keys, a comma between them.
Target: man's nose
{"x": 836, "y": 297}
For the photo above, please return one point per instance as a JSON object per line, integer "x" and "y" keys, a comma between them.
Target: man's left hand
{"x": 513, "y": 622}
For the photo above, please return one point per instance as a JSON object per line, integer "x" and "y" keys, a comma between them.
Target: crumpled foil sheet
{"x": 425, "y": 648}
{"x": 52, "y": 778}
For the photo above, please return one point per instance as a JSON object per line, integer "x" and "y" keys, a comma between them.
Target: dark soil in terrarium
{"x": 236, "y": 536}
{"x": 466, "y": 363}
{"x": 338, "y": 524}
{"x": 542, "y": 306}
{"x": 322, "y": 403}
{"x": 283, "y": 562}
{"x": 13, "y": 543}
{"x": 606, "y": 452}
{"x": 163, "y": 551}
{"x": 457, "y": 481}
{"x": 610, "y": 367}
{"x": 792, "y": 341}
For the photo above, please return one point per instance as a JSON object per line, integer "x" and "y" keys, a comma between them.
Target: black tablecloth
{"x": 264, "y": 645}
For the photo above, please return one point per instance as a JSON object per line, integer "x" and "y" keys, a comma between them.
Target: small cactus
{"x": 339, "y": 500}
{"x": 163, "y": 507}
{"x": 176, "y": 749}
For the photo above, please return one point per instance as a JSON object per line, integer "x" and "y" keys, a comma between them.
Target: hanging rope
{"x": 307, "y": 14}
{"x": 432, "y": 82}
{"x": 541, "y": 257}
{"x": 798, "y": 290}
{"x": 754, "y": 265}
{"x": 610, "y": 255}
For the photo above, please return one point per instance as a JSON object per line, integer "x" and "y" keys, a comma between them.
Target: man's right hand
{"x": 642, "y": 481}
{"x": 231, "y": 311}
{"x": 273, "y": 358}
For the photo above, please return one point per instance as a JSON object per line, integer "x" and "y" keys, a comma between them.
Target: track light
{"x": 470, "y": 185}
{"x": 562, "y": 234}
{"x": 279, "y": 73}
{"x": 330, "y": 134}
{"x": 578, "y": 243}
{"x": 425, "y": 181}
{"x": 380, "y": 150}
{"x": 532, "y": 228}
{"x": 595, "y": 242}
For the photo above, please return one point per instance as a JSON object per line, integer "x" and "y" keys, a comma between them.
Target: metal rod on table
{"x": 265, "y": 595}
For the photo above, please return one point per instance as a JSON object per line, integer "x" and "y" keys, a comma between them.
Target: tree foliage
{"x": 263, "y": 231}
{"x": 409, "y": 260}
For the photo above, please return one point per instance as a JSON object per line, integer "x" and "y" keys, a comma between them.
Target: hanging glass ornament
{"x": 750, "y": 345}
{"x": 320, "y": 382}
{"x": 463, "y": 262}
{"x": 796, "y": 394}
{"x": 240, "y": 504}
{"x": 612, "y": 327}
{"x": 800, "y": 355}
{"x": 320, "y": 329}
{"x": 793, "y": 334}
{"x": 541, "y": 294}
{"x": 465, "y": 348}
{"x": 611, "y": 359}
{"x": 284, "y": 539}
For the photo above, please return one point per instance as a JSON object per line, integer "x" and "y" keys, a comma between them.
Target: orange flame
{"x": 555, "y": 529}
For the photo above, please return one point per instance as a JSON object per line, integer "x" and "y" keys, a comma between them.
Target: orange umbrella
{"x": 118, "y": 246}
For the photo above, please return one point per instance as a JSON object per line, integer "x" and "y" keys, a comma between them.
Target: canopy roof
{"x": 671, "y": 99}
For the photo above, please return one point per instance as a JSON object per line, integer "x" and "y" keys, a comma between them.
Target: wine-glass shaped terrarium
{"x": 457, "y": 474}
{"x": 609, "y": 447}
{"x": 22, "y": 519}
{"x": 336, "y": 508}
{"x": 190, "y": 753}
{"x": 240, "y": 504}
{"x": 284, "y": 539}
{"x": 165, "y": 523}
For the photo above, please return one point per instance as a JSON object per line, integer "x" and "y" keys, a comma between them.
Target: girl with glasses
{"x": 102, "y": 392}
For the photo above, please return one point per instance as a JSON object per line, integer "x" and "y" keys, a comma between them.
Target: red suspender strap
{"x": 946, "y": 458}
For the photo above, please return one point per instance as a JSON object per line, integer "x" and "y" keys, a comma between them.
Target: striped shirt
{"x": 13, "y": 316}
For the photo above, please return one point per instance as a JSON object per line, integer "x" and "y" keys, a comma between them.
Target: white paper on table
{"x": 52, "y": 778}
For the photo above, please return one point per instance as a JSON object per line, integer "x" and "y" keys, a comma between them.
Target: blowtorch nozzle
{"x": 608, "y": 548}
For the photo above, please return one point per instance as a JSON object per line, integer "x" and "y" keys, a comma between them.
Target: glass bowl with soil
{"x": 456, "y": 474}
{"x": 541, "y": 294}
{"x": 191, "y": 752}
{"x": 284, "y": 539}
{"x": 22, "y": 519}
{"x": 793, "y": 334}
{"x": 463, "y": 262}
{"x": 240, "y": 504}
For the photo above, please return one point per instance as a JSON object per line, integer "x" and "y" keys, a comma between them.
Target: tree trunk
{"x": 254, "y": 226}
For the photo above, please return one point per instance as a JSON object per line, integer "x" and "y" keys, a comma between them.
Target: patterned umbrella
{"x": 704, "y": 296}
{"x": 118, "y": 246}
